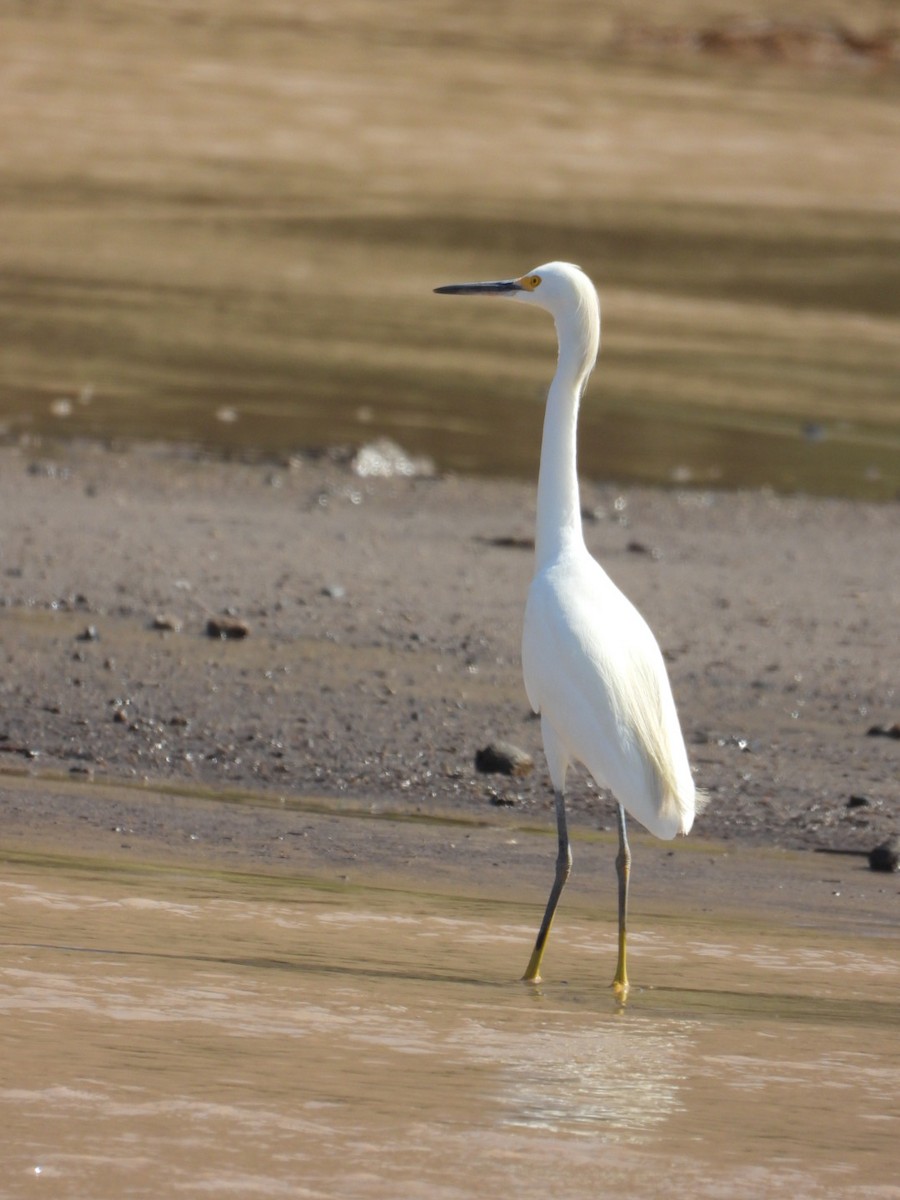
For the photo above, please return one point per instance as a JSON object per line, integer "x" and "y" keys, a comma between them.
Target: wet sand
{"x": 382, "y": 653}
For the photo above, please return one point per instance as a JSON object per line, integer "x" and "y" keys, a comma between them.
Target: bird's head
{"x": 559, "y": 287}
{"x": 563, "y": 290}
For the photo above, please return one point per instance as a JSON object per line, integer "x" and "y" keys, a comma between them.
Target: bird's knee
{"x": 564, "y": 864}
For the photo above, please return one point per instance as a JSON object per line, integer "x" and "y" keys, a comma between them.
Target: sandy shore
{"x": 383, "y": 622}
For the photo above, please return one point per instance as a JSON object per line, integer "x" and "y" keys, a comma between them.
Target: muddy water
{"x": 224, "y": 229}
{"x": 193, "y": 1034}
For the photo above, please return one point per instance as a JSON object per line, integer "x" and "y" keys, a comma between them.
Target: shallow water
{"x": 184, "y": 1033}
{"x": 225, "y": 229}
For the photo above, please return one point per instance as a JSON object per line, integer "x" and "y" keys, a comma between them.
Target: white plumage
{"x": 592, "y": 667}
{"x": 594, "y": 672}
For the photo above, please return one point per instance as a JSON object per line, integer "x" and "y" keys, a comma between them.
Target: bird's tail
{"x": 701, "y": 799}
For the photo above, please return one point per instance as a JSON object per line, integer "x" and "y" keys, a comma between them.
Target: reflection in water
{"x": 167, "y": 1035}
{"x": 620, "y": 1076}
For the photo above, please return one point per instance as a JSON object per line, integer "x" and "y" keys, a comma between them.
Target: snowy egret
{"x": 592, "y": 667}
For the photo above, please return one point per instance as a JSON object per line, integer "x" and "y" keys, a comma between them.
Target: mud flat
{"x": 382, "y": 623}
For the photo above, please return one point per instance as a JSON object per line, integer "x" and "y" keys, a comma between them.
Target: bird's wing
{"x": 594, "y": 669}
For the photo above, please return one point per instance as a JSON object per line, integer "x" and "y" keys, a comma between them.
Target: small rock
{"x": 335, "y": 591}
{"x": 858, "y": 802}
{"x": 226, "y": 627}
{"x": 501, "y": 800}
{"x": 384, "y": 459}
{"x": 886, "y": 855}
{"x": 813, "y": 431}
{"x": 166, "y": 623}
{"x": 89, "y": 634}
{"x": 508, "y": 541}
{"x": 502, "y": 758}
{"x": 635, "y": 547}
{"x": 890, "y": 731}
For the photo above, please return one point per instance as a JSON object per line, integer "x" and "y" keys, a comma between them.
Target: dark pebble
{"x": 502, "y": 758}
{"x": 89, "y": 634}
{"x": 858, "y": 802}
{"x": 509, "y": 542}
{"x": 226, "y": 627}
{"x": 886, "y": 856}
{"x": 641, "y": 548}
{"x": 890, "y": 731}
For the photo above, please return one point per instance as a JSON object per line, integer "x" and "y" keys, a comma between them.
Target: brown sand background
{"x": 212, "y": 212}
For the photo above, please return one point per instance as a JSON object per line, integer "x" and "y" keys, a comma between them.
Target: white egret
{"x": 592, "y": 667}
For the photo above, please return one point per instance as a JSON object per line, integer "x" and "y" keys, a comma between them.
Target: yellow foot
{"x": 533, "y": 970}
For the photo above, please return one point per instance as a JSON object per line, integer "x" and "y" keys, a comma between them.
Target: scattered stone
{"x": 90, "y": 634}
{"x": 166, "y": 623}
{"x": 890, "y": 731}
{"x": 886, "y": 855}
{"x": 501, "y": 800}
{"x": 226, "y": 627}
{"x": 635, "y": 547}
{"x": 509, "y": 542}
{"x": 335, "y": 591}
{"x": 858, "y": 802}
{"x": 9, "y": 747}
{"x": 503, "y": 758}
{"x": 49, "y": 470}
{"x": 384, "y": 459}
{"x": 813, "y": 432}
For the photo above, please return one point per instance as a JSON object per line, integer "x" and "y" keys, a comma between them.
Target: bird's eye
{"x": 534, "y": 281}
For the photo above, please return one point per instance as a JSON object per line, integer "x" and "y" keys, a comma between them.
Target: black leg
{"x": 623, "y": 870}
{"x": 563, "y": 869}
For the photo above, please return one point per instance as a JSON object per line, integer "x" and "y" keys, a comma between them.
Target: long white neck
{"x": 558, "y": 499}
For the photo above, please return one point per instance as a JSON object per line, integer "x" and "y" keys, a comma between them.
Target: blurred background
{"x": 222, "y": 223}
